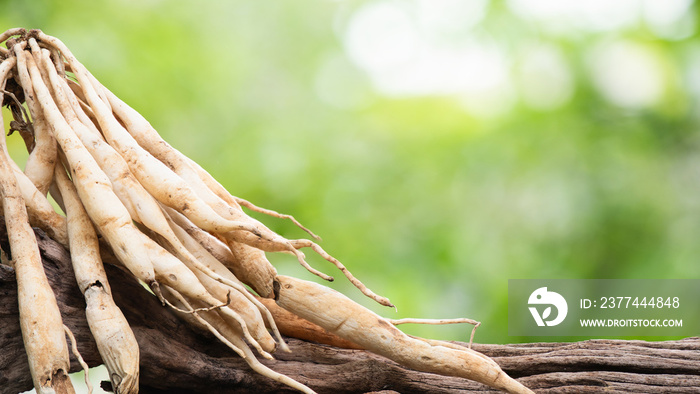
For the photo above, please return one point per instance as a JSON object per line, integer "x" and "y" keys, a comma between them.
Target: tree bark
{"x": 176, "y": 359}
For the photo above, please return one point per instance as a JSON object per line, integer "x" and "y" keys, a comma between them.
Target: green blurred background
{"x": 440, "y": 147}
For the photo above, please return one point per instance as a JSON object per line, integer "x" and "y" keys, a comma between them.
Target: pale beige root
{"x": 440, "y": 322}
{"x": 212, "y": 244}
{"x": 230, "y": 337}
{"x": 301, "y": 243}
{"x": 75, "y": 88}
{"x": 141, "y": 206}
{"x": 135, "y": 199}
{"x": 179, "y": 177}
{"x": 235, "y": 300}
{"x": 185, "y": 311}
{"x": 94, "y": 188}
{"x": 232, "y": 238}
{"x": 84, "y": 246}
{"x": 145, "y": 209}
{"x": 40, "y": 319}
{"x": 53, "y": 191}
{"x": 252, "y": 266}
{"x": 161, "y": 182}
{"x": 211, "y": 263}
{"x": 79, "y": 94}
{"x": 41, "y": 212}
{"x": 113, "y": 336}
{"x": 199, "y": 251}
{"x": 115, "y": 340}
{"x": 81, "y": 361}
{"x": 15, "y": 31}
{"x": 437, "y": 342}
{"x": 172, "y": 272}
{"x": 42, "y": 158}
{"x": 294, "y": 326}
{"x": 279, "y": 245}
{"x": 35, "y": 52}
{"x": 255, "y": 208}
{"x": 248, "y": 264}
{"x": 58, "y": 62}
{"x": 347, "y": 319}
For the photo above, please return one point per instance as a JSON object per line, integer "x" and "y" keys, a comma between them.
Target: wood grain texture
{"x": 176, "y": 359}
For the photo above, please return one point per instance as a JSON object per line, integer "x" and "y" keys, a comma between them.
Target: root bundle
{"x": 124, "y": 191}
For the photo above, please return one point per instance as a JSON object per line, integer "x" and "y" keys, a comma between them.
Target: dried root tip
{"x": 244, "y": 351}
{"x": 276, "y": 376}
{"x": 269, "y": 212}
{"x": 475, "y": 323}
{"x": 197, "y": 310}
{"x": 155, "y": 288}
{"x": 266, "y": 314}
{"x": 246, "y": 333}
{"x": 76, "y": 353}
{"x": 275, "y": 330}
{"x": 302, "y": 261}
{"x": 193, "y": 313}
{"x": 305, "y": 243}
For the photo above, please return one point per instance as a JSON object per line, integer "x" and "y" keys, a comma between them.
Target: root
{"x": 305, "y": 243}
{"x": 188, "y": 309}
{"x": 475, "y": 323}
{"x": 343, "y": 317}
{"x": 17, "y": 31}
{"x": 76, "y": 353}
{"x": 302, "y": 260}
{"x": 269, "y": 212}
{"x": 205, "y": 309}
{"x": 246, "y": 334}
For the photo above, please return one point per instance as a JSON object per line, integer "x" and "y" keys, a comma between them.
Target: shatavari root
{"x": 124, "y": 192}
{"x": 347, "y": 319}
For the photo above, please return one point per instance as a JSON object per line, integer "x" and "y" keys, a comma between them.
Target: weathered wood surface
{"x": 175, "y": 359}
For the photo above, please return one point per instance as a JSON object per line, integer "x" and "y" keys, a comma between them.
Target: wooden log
{"x": 176, "y": 359}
